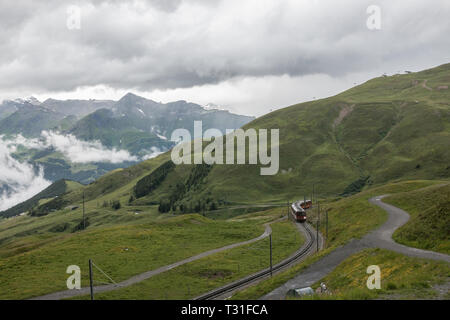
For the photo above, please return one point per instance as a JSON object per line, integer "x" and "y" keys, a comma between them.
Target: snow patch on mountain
{"x": 142, "y": 112}
{"x": 161, "y": 137}
{"x": 212, "y": 106}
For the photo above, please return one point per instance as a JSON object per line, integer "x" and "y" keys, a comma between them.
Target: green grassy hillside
{"x": 429, "y": 226}
{"x": 384, "y": 130}
{"x": 402, "y": 277}
{"x": 387, "y": 129}
{"x": 122, "y": 251}
{"x": 191, "y": 280}
{"x": 348, "y": 218}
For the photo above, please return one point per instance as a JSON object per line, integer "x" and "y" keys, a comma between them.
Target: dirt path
{"x": 343, "y": 114}
{"x": 146, "y": 275}
{"x": 347, "y": 110}
{"x": 380, "y": 238}
{"x": 424, "y": 85}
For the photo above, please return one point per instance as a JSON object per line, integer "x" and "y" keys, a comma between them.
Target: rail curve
{"x": 306, "y": 249}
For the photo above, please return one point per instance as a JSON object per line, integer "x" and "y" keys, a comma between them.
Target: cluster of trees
{"x": 33, "y": 212}
{"x": 188, "y": 207}
{"x": 81, "y": 225}
{"x": 115, "y": 204}
{"x": 198, "y": 173}
{"x": 175, "y": 201}
{"x": 149, "y": 183}
{"x": 48, "y": 207}
{"x": 356, "y": 186}
{"x": 62, "y": 227}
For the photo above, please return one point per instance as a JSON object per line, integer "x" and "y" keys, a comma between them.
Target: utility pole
{"x": 270, "y": 239}
{"x": 91, "y": 282}
{"x": 326, "y": 213}
{"x": 288, "y": 209}
{"x": 318, "y": 211}
{"x": 317, "y": 235}
{"x": 84, "y": 221}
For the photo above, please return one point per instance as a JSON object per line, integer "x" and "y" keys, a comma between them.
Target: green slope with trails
{"x": 402, "y": 278}
{"x": 348, "y": 218}
{"x": 193, "y": 279}
{"x": 429, "y": 226}
{"x": 341, "y": 144}
{"x": 122, "y": 251}
{"x": 386, "y": 129}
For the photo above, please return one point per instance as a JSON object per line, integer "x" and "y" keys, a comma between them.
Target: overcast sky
{"x": 249, "y": 56}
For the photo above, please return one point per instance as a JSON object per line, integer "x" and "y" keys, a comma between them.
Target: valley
{"x": 384, "y": 137}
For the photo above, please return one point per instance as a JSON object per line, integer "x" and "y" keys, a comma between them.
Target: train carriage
{"x": 298, "y": 213}
{"x": 306, "y": 204}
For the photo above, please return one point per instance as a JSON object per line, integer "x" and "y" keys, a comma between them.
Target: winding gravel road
{"x": 143, "y": 276}
{"x": 379, "y": 238}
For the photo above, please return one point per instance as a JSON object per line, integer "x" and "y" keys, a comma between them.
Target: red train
{"x": 306, "y": 204}
{"x": 298, "y": 212}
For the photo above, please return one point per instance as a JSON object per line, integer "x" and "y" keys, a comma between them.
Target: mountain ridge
{"x": 400, "y": 135}
{"x": 127, "y": 131}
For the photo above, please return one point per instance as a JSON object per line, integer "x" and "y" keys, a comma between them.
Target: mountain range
{"x": 137, "y": 125}
{"x": 385, "y": 130}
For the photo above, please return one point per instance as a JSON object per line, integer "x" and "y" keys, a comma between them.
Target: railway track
{"x": 302, "y": 252}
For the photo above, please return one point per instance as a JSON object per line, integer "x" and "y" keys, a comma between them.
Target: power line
{"x": 317, "y": 235}
{"x": 84, "y": 220}
{"x": 326, "y": 212}
{"x": 103, "y": 272}
{"x": 270, "y": 237}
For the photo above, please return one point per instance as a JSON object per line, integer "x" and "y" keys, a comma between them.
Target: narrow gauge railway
{"x": 306, "y": 249}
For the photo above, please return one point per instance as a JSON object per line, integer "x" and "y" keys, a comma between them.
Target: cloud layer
{"x": 75, "y": 150}
{"x": 180, "y": 44}
{"x": 18, "y": 181}
{"x": 78, "y": 151}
